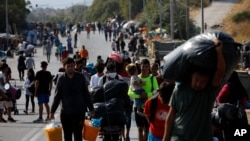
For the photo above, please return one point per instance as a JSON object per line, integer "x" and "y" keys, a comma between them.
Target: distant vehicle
{"x": 166, "y": 46}
{"x": 3, "y": 56}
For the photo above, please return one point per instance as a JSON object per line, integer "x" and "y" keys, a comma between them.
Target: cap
{"x": 116, "y": 57}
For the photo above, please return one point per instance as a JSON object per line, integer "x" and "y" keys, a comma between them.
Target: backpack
{"x": 152, "y": 83}
{"x": 154, "y": 100}
{"x": 105, "y": 78}
{"x": 153, "y": 106}
{"x": 59, "y": 73}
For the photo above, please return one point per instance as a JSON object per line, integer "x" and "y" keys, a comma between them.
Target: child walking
{"x": 29, "y": 86}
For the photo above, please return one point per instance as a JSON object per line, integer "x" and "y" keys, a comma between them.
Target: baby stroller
{"x": 13, "y": 93}
{"x": 110, "y": 102}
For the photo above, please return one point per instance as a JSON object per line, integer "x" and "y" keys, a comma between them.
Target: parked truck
{"x": 163, "y": 47}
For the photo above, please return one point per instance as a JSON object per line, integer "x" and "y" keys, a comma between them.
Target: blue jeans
{"x": 151, "y": 137}
{"x": 139, "y": 101}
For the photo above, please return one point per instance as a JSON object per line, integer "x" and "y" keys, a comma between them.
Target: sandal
{"x": 25, "y": 112}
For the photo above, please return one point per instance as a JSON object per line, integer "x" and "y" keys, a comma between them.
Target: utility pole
{"x": 85, "y": 11}
{"x": 129, "y": 9}
{"x": 172, "y": 19}
{"x": 7, "y": 23}
{"x": 202, "y": 17}
{"x": 160, "y": 17}
{"x": 143, "y": 4}
{"x": 187, "y": 19}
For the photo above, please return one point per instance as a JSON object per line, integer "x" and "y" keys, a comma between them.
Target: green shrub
{"x": 242, "y": 16}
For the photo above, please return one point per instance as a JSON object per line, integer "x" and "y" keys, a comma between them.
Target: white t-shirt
{"x": 26, "y": 85}
{"x": 20, "y": 46}
{"x": 94, "y": 81}
{"x": 3, "y": 79}
{"x": 113, "y": 45}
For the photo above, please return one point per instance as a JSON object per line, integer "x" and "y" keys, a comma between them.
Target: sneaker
{"x": 11, "y": 119}
{"x": 140, "y": 113}
{"x": 39, "y": 120}
{"x": 3, "y": 120}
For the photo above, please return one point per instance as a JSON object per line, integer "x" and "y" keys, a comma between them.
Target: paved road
{"x": 24, "y": 129}
{"x": 215, "y": 13}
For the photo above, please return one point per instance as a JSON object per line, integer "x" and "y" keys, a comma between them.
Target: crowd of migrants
{"x": 39, "y": 84}
{"x": 144, "y": 79}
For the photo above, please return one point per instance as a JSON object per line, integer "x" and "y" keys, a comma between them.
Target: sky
{"x": 58, "y": 3}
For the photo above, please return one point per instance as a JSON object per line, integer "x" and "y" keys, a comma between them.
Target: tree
{"x": 151, "y": 18}
{"x": 17, "y": 11}
{"x": 103, "y": 10}
{"x": 136, "y": 7}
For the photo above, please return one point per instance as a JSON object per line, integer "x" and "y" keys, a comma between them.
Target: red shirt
{"x": 123, "y": 73}
{"x": 65, "y": 54}
{"x": 158, "y": 124}
{"x": 223, "y": 96}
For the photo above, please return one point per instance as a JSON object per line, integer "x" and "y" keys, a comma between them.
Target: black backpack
{"x": 153, "y": 106}
{"x": 154, "y": 100}
{"x": 105, "y": 78}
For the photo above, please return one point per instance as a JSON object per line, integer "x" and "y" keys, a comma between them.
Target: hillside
{"x": 240, "y": 31}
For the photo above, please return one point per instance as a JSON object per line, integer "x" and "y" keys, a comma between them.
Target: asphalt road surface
{"x": 214, "y": 14}
{"x": 24, "y": 129}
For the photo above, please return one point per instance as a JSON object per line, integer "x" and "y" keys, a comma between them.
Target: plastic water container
{"x": 53, "y": 132}
{"x": 89, "y": 132}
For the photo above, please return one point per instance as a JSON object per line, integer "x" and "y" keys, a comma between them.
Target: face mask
{"x": 112, "y": 74}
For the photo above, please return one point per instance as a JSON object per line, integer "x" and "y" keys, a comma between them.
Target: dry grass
{"x": 194, "y": 12}
{"x": 239, "y": 31}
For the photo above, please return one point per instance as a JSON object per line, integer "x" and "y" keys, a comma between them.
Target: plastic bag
{"x": 96, "y": 122}
{"x": 53, "y": 124}
{"x": 198, "y": 52}
{"x": 53, "y": 131}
